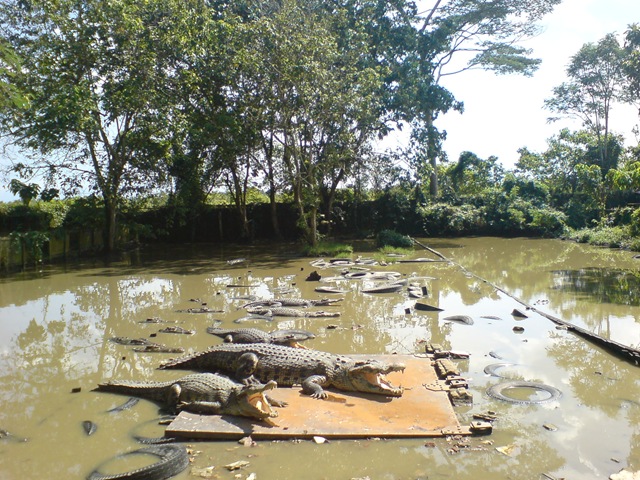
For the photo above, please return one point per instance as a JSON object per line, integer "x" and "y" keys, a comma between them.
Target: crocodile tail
{"x": 151, "y": 391}
{"x": 192, "y": 362}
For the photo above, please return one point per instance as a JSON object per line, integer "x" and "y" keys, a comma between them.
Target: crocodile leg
{"x": 210, "y": 408}
{"x": 313, "y": 386}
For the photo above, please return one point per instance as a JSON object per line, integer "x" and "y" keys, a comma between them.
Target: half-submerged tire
{"x": 496, "y": 391}
{"x": 173, "y": 460}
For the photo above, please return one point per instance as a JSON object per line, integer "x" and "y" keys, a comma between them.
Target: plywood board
{"x": 420, "y": 412}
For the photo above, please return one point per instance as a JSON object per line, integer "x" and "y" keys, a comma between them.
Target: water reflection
{"x": 601, "y": 285}
{"x": 54, "y": 331}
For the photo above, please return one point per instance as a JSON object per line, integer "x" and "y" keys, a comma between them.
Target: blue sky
{"x": 504, "y": 113}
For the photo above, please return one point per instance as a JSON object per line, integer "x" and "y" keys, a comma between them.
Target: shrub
{"x": 548, "y": 221}
{"x": 392, "y": 238}
{"x": 445, "y": 219}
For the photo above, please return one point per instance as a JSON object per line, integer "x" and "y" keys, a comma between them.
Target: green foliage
{"x": 447, "y": 220}
{"x": 391, "y": 238}
{"x": 548, "y": 222}
{"x": 613, "y": 237}
{"x": 24, "y": 191}
{"x": 395, "y": 209}
{"x": 634, "y": 225}
{"x": 472, "y": 174}
{"x": 30, "y": 244}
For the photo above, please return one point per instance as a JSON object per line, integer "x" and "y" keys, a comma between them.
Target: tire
{"x": 491, "y": 369}
{"x": 496, "y": 391}
{"x": 173, "y": 460}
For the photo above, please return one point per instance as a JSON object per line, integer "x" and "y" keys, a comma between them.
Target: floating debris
{"x": 236, "y": 261}
{"x": 236, "y": 465}
{"x": 464, "y": 319}
{"x": 313, "y": 277}
{"x": 329, "y": 289}
{"x": 89, "y": 427}
{"x": 518, "y": 313}
{"x": 388, "y": 288}
{"x": 427, "y": 308}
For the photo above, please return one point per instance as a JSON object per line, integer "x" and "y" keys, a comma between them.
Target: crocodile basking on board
{"x": 312, "y": 369}
{"x": 289, "y": 338}
{"x": 208, "y": 393}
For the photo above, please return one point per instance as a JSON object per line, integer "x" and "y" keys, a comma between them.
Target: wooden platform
{"x": 420, "y": 412}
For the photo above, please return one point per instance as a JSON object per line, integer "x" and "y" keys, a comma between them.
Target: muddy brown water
{"x": 55, "y": 325}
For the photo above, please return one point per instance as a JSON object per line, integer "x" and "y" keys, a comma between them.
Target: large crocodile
{"x": 290, "y": 338}
{"x": 208, "y": 393}
{"x": 312, "y": 369}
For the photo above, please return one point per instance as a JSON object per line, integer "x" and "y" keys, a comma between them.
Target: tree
{"x": 486, "y": 36}
{"x": 313, "y": 103}
{"x": 472, "y": 174}
{"x": 596, "y": 82}
{"x": 26, "y": 192}
{"x": 9, "y": 66}
{"x": 93, "y": 79}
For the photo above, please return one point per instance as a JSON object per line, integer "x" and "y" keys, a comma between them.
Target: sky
{"x": 503, "y": 113}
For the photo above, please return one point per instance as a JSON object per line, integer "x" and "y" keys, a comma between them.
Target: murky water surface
{"x": 55, "y": 327}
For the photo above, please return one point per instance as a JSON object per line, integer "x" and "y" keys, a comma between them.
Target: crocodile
{"x": 207, "y": 393}
{"x": 290, "y": 338}
{"x": 301, "y": 302}
{"x": 292, "y": 302}
{"x": 312, "y": 369}
{"x": 290, "y": 312}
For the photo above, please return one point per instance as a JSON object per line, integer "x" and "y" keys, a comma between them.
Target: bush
{"x": 613, "y": 237}
{"x": 391, "y": 238}
{"x": 549, "y": 222}
{"x": 445, "y": 219}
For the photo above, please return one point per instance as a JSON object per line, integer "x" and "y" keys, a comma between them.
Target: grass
{"x": 329, "y": 249}
{"x": 612, "y": 237}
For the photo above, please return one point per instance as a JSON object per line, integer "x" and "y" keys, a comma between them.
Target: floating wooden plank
{"x": 420, "y": 412}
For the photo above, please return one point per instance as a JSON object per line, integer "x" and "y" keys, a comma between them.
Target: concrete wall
{"x": 61, "y": 244}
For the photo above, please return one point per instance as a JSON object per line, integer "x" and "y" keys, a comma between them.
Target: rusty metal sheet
{"x": 420, "y": 412}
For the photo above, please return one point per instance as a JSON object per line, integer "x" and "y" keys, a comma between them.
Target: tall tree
{"x": 460, "y": 35}
{"x": 92, "y": 77}
{"x": 596, "y": 82}
{"x": 314, "y": 101}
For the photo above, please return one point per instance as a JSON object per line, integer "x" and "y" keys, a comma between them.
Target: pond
{"x": 55, "y": 327}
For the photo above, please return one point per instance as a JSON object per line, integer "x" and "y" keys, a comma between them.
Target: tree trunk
{"x": 110, "y": 224}
{"x": 432, "y": 156}
{"x": 273, "y": 207}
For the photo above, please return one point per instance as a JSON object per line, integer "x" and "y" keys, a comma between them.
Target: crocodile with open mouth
{"x": 207, "y": 393}
{"x": 312, "y": 369}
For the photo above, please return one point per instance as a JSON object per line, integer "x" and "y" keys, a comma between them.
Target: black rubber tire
{"x": 496, "y": 390}
{"x": 173, "y": 460}
{"x": 491, "y": 369}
